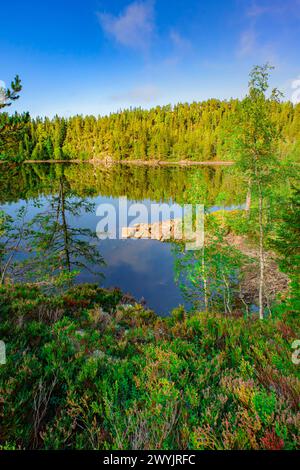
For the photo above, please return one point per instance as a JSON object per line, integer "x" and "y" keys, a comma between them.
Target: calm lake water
{"x": 146, "y": 269}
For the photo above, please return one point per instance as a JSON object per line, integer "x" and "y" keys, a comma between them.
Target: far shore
{"x": 133, "y": 162}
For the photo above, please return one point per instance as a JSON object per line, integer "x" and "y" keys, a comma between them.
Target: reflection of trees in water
{"x": 13, "y": 231}
{"x": 57, "y": 247}
{"x": 136, "y": 182}
{"x": 52, "y": 248}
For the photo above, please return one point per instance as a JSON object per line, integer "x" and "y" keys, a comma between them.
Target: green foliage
{"x": 85, "y": 371}
{"x": 7, "y": 95}
{"x": 265, "y": 405}
{"x": 47, "y": 248}
{"x": 210, "y": 278}
{"x": 285, "y": 240}
{"x": 14, "y": 144}
{"x": 255, "y": 136}
{"x": 196, "y": 131}
{"x": 12, "y": 128}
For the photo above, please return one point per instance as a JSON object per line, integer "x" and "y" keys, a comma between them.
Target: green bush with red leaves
{"x": 87, "y": 370}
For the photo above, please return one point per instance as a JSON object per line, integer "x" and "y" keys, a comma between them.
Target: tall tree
{"x": 8, "y": 95}
{"x": 11, "y": 127}
{"x": 255, "y": 145}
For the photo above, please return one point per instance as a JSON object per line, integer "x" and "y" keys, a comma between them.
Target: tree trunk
{"x": 204, "y": 280}
{"x": 248, "y": 199}
{"x": 261, "y": 256}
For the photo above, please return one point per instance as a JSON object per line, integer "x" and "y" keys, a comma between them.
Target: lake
{"x": 144, "y": 268}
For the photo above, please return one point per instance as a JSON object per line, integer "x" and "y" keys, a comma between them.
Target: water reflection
{"x": 61, "y": 237}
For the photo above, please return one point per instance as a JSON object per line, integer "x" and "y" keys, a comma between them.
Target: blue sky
{"x": 99, "y": 56}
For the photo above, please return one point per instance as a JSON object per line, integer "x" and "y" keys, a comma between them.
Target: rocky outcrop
{"x": 162, "y": 231}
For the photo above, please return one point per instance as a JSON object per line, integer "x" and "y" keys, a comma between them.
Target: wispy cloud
{"x": 250, "y": 45}
{"x": 274, "y": 7}
{"x": 247, "y": 43}
{"x": 251, "y": 42}
{"x": 257, "y": 10}
{"x": 133, "y": 27}
{"x": 139, "y": 95}
{"x": 180, "y": 47}
{"x": 180, "y": 43}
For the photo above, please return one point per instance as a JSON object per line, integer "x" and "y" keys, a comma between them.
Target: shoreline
{"x": 172, "y": 230}
{"x": 132, "y": 162}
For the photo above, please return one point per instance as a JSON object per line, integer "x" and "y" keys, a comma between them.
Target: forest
{"x": 196, "y": 131}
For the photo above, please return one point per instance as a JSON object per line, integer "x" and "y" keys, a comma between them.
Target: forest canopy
{"x": 199, "y": 131}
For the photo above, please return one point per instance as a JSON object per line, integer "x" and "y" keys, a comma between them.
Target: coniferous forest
{"x": 196, "y": 131}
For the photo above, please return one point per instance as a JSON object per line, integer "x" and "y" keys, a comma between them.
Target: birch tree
{"x": 255, "y": 144}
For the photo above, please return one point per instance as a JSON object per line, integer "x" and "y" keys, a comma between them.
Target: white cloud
{"x": 247, "y": 43}
{"x": 138, "y": 95}
{"x": 296, "y": 83}
{"x": 295, "y": 98}
{"x": 132, "y": 28}
{"x": 2, "y": 92}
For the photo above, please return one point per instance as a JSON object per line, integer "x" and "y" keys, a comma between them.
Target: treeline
{"x": 196, "y": 131}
